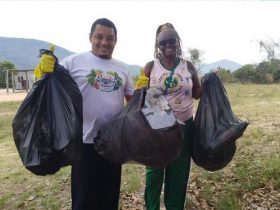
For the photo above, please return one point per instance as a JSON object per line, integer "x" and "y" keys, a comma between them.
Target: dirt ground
{"x": 16, "y": 96}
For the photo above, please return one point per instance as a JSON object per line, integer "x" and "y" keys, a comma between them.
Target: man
{"x": 104, "y": 83}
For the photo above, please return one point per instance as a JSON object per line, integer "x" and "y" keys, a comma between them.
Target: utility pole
{"x": 7, "y": 80}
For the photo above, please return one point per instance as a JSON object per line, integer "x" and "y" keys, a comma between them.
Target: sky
{"x": 220, "y": 29}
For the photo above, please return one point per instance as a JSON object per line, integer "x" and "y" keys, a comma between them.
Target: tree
{"x": 225, "y": 75}
{"x": 246, "y": 73}
{"x": 272, "y": 67}
{"x": 195, "y": 57}
{"x": 5, "y": 65}
{"x": 268, "y": 71}
{"x": 276, "y": 69}
{"x": 271, "y": 48}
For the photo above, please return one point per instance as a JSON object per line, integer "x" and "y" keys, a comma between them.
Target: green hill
{"x": 23, "y": 53}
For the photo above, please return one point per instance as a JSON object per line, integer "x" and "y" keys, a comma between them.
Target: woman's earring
{"x": 178, "y": 51}
{"x": 158, "y": 55}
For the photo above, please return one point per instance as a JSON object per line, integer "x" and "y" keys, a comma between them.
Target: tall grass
{"x": 255, "y": 166}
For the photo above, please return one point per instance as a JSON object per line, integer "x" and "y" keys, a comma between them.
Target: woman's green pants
{"x": 175, "y": 177}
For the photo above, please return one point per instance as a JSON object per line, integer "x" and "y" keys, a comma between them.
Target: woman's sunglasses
{"x": 164, "y": 43}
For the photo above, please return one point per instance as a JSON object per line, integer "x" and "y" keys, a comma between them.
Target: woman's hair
{"x": 171, "y": 27}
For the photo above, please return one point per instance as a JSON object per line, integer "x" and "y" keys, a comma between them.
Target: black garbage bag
{"x": 216, "y": 128}
{"x": 128, "y": 137}
{"x": 47, "y": 127}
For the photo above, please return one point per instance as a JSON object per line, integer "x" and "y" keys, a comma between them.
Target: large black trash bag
{"x": 47, "y": 127}
{"x": 216, "y": 128}
{"x": 128, "y": 137}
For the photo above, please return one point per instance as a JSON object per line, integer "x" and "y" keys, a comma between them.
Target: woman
{"x": 179, "y": 79}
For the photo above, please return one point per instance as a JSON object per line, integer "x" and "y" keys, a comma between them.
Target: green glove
{"x": 46, "y": 64}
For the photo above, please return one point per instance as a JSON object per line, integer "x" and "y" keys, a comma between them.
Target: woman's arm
{"x": 148, "y": 68}
{"x": 197, "y": 88}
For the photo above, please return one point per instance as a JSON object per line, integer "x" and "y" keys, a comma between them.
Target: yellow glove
{"x": 143, "y": 81}
{"x": 46, "y": 64}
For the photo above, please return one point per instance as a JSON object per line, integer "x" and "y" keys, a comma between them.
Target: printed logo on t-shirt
{"x": 173, "y": 84}
{"x": 104, "y": 81}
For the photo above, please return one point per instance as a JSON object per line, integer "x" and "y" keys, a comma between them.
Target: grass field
{"x": 251, "y": 181}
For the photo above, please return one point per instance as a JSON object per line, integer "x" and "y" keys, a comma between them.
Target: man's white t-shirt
{"x": 103, "y": 84}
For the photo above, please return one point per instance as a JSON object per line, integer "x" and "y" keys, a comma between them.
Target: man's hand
{"x": 46, "y": 64}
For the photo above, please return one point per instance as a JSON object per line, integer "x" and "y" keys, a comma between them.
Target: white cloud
{"x": 222, "y": 29}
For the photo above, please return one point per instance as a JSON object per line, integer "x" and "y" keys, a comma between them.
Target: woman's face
{"x": 167, "y": 43}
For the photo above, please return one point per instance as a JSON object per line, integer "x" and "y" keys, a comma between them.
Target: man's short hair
{"x": 103, "y": 22}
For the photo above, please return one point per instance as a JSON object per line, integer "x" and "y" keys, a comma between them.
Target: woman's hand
{"x": 143, "y": 81}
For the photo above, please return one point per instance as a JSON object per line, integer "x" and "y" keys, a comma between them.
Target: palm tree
{"x": 91, "y": 77}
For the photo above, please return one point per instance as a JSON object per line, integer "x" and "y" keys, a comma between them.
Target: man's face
{"x": 103, "y": 41}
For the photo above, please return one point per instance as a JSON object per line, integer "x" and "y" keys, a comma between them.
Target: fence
{"x": 21, "y": 79}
